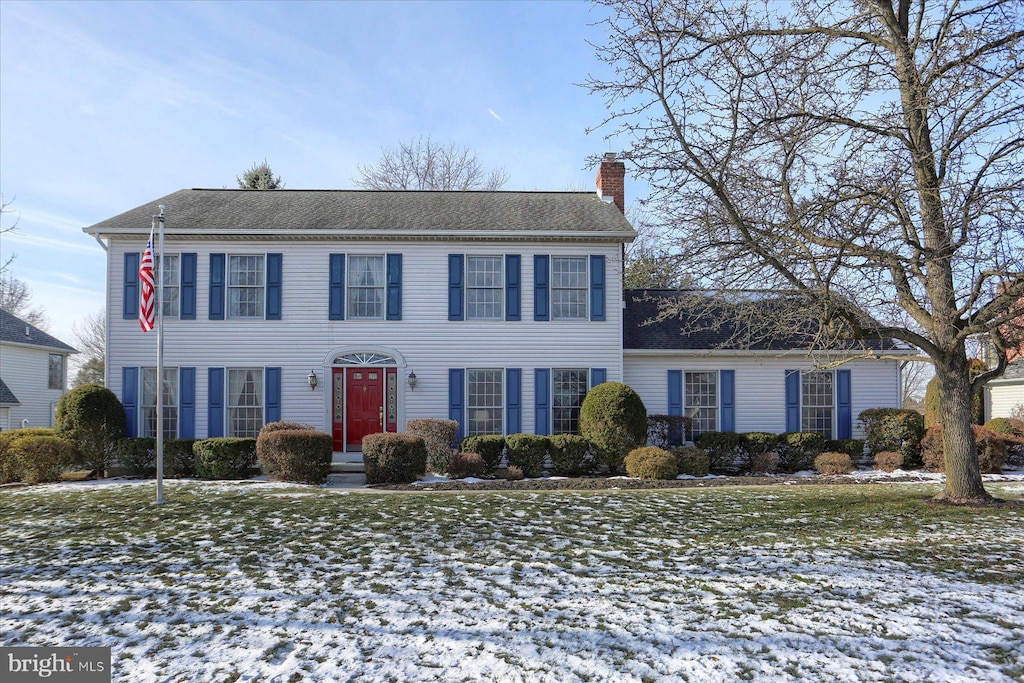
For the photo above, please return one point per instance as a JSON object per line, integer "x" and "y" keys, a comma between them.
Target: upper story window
{"x": 817, "y": 402}
{"x": 485, "y": 282}
{"x": 56, "y": 368}
{"x": 170, "y": 276}
{"x": 170, "y": 402}
{"x": 701, "y": 395}
{"x": 245, "y": 402}
{"x": 569, "y": 387}
{"x": 568, "y": 288}
{"x": 366, "y": 287}
{"x": 246, "y": 282}
{"x": 484, "y": 401}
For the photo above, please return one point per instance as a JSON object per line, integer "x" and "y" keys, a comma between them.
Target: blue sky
{"x": 106, "y": 106}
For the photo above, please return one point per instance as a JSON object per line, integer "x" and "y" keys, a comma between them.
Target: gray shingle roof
{"x": 7, "y": 397}
{"x": 762, "y": 322}
{"x": 400, "y": 212}
{"x": 1014, "y": 370}
{"x": 15, "y": 330}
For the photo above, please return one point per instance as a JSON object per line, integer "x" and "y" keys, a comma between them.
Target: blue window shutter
{"x": 792, "y": 400}
{"x": 514, "y": 400}
{"x": 541, "y": 296}
{"x": 598, "y": 376}
{"x": 215, "y": 403}
{"x": 272, "y": 388}
{"x": 844, "y": 412}
{"x": 187, "y": 403}
{"x": 727, "y": 400}
{"x": 130, "y": 399}
{"x": 542, "y": 400}
{"x": 217, "y": 288}
{"x": 394, "y": 289}
{"x": 130, "y": 308}
{"x": 597, "y": 288}
{"x": 457, "y": 400}
{"x": 336, "y": 305}
{"x": 513, "y": 288}
{"x": 675, "y": 392}
{"x": 456, "y": 268}
{"x": 275, "y": 268}
{"x": 188, "y": 287}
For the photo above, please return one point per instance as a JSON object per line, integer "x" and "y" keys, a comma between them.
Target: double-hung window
{"x": 701, "y": 396}
{"x": 245, "y": 402}
{"x": 169, "y": 387}
{"x": 484, "y": 287}
{"x": 170, "y": 276}
{"x": 817, "y": 405}
{"x": 568, "y": 288}
{"x": 484, "y": 401}
{"x": 569, "y": 387}
{"x": 56, "y": 371}
{"x": 366, "y": 287}
{"x": 246, "y": 286}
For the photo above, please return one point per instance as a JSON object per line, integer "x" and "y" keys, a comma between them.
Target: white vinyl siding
{"x": 817, "y": 402}
{"x": 700, "y": 393}
{"x": 485, "y": 287}
{"x": 366, "y": 287}
{"x": 569, "y": 288}
{"x": 245, "y": 402}
{"x": 484, "y": 401}
{"x": 569, "y": 387}
{"x": 246, "y": 283}
{"x": 170, "y": 400}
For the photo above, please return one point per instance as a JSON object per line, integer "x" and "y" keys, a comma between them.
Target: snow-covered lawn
{"x": 266, "y": 582}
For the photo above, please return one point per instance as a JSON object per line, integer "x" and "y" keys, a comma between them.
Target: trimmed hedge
{"x": 852, "y": 447}
{"x": 666, "y": 431}
{"x": 651, "y": 462}
{"x": 137, "y": 456}
{"x": 439, "y": 437}
{"x": 991, "y": 450}
{"x": 527, "y": 452}
{"x": 92, "y": 418}
{"x": 490, "y": 447}
{"x": 722, "y": 449}
{"x": 179, "y": 459}
{"x": 466, "y": 465}
{"x": 753, "y": 448}
{"x": 692, "y": 461}
{"x": 39, "y": 458}
{"x": 224, "y": 458}
{"x": 1012, "y": 431}
{"x": 888, "y": 461}
{"x": 283, "y": 425}
{"x": 797, "y": 450}
{"x": 614, "y": 420}
{"x": 299, "y": 455}
{"x": 513, "y": 473}
{"x": 9, "y": 467}
{"x": 391, "y": 458}
{"x": 894, "y": 429}
{"x": 568, "y": 455}
{"x": 765, "y": 463}
{"x": 833, "y": 463}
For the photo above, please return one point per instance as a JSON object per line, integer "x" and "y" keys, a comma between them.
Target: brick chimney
{"x": 611, "y": 180}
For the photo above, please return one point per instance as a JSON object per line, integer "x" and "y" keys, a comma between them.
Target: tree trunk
{"x": 963, "y": 473}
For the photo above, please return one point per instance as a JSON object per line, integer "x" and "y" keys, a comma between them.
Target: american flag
{"x": 147, "y": 303}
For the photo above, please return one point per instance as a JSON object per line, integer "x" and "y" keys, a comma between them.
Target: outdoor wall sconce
{"x": 311, "y": 379}
{"x": 412, "y": 381}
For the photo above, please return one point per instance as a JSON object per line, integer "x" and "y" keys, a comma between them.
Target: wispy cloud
{"x": 495, "y": 114}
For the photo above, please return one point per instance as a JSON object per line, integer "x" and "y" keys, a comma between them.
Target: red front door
{"x": 364, "y": 404}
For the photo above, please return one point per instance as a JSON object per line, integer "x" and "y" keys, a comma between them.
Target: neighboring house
{"x": 356, "y": 311}
{"x": 33, "y": 373}
{"x": 1005, "y": 396}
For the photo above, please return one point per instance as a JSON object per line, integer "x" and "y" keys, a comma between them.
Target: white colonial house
{"x": 33, "y": 373}
{"x": 1004, "y": 396}
{"x": 356, "y": 311}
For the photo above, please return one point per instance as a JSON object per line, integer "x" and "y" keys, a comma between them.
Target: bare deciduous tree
{"x": 649, "y": 264}
{"x": 866, "y": 154}
{"x": 259, "y": 177}
{"x": 16, "y": 299}
{"x": 5, "y": 208}
{"x": 423, "y": 164}
{"x": 91, "y": 336}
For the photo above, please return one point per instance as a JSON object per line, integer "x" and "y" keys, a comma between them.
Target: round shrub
{"x": 466, "y": 465}
{"x": 651, "y": 462}
{"x": 753, "y": 446}
{"x": 224, "y": 458}
{"x": 39, "y": 458}
{"x": 490, "y": 447}
{"x": 692, "y": 461}
{"x": 8, "y": 462}
{"x": 137, "y": 456}
{"x": 527, "y": 452}
{"x": 894, "y": 429}
{"x": 765, "y": 463}
{"x": 283, "y": 425}
{"x": 797, "y": 450}
{"x": 514, "y": 473}
{"x": 568, "y": 455}
{"x": 298, "y": 455}
{"x": 391, "y": 458}
{"x": 1007, "y": 426}
{"x": 991, "y": 450}
{"x": 852, "y": 447}
{"x": 439, "y": 437}
{"x": 92, "y": 418}
{"x": 614, "y": 420}
{"x": 179, "y": 460}
{"x": 833, "y": 463}
{"x": 888, "y": 461}
{"x": 722, "y": 448}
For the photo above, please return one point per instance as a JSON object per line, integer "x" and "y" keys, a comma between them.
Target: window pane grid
{"x": 569, "y": 387}
{"x": 568, "y": 288}
{"x": 366, "y": 287}
{"x": 56, "y": 371}
{"x": 245, "y": 286}
{"x": 484, "y": 287}
{"x": 816, "y": 403}
{"x": 701, "y": 396}
{"x": 170, "y": 277}
{"x": 170, "y": 400}
{"x": 484, "y": 402}
{"x": 245, "y": 402}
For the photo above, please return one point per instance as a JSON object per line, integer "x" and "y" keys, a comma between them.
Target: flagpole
{"x": 160, "y": 363}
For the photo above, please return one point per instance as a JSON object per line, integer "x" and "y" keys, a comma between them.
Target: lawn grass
{"x": 275, "y": 582}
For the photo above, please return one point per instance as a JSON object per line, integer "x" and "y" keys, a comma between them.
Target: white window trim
{"x": 552, "y": 288}
{"x": 228, "y": 287}
{"x": 158, "y": 263}
{"x": 718, "y": 398}
{"x": 349, "y": 308}
{"x": 551, "y": 393}
{"x": 834, "y": 405}
{"x": 63, "y": 379}
{"x": 228, "y": 406}
{"x": 500, "y": 287}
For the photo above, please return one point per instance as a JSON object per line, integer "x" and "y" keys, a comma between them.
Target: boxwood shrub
{"x": 8, "y": 462}
{"x": 39, "y": 458}
{"x": 991, "y": 449}
{"x": 651, "y": 462}
{"x": 894, "y": 429}
{"x": 490, "y": 447}
{"x": 569, "y": 455}
{"x": 92, "y": 418}
{"x": 614, "y": 420}
{"x": 852, "y": 447}
{"x": 466, "y": 465}
{"x": 527, "y": 452}
{"x": 797, "y": 450}
{"x": 833, "y": 463}
{"x": 692, "y": 461}
{"x": 179, "y": 460}
{"x": 754, "y": 446}
{"x": 298, "y": 455}
{"x": 722, "y": 449}
{"x": 224, "y": 458}
{"x": 391, "y": 458}
{"x": 137, "y": 456}
{"x": 888, "y": 461}
{"x": 439, "y": 437}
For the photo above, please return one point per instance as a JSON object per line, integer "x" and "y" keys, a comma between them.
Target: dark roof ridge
{"x": 14, "y": 330}
{"x": 369, "y": 191}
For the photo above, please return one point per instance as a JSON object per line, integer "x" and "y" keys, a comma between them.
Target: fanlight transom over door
{"x": 364, "y": 398}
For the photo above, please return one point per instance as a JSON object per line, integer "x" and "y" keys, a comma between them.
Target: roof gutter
{"x": 409, "y": 235}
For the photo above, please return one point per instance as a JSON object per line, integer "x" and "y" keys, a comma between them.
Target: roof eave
{"x": 617, "y": 236}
